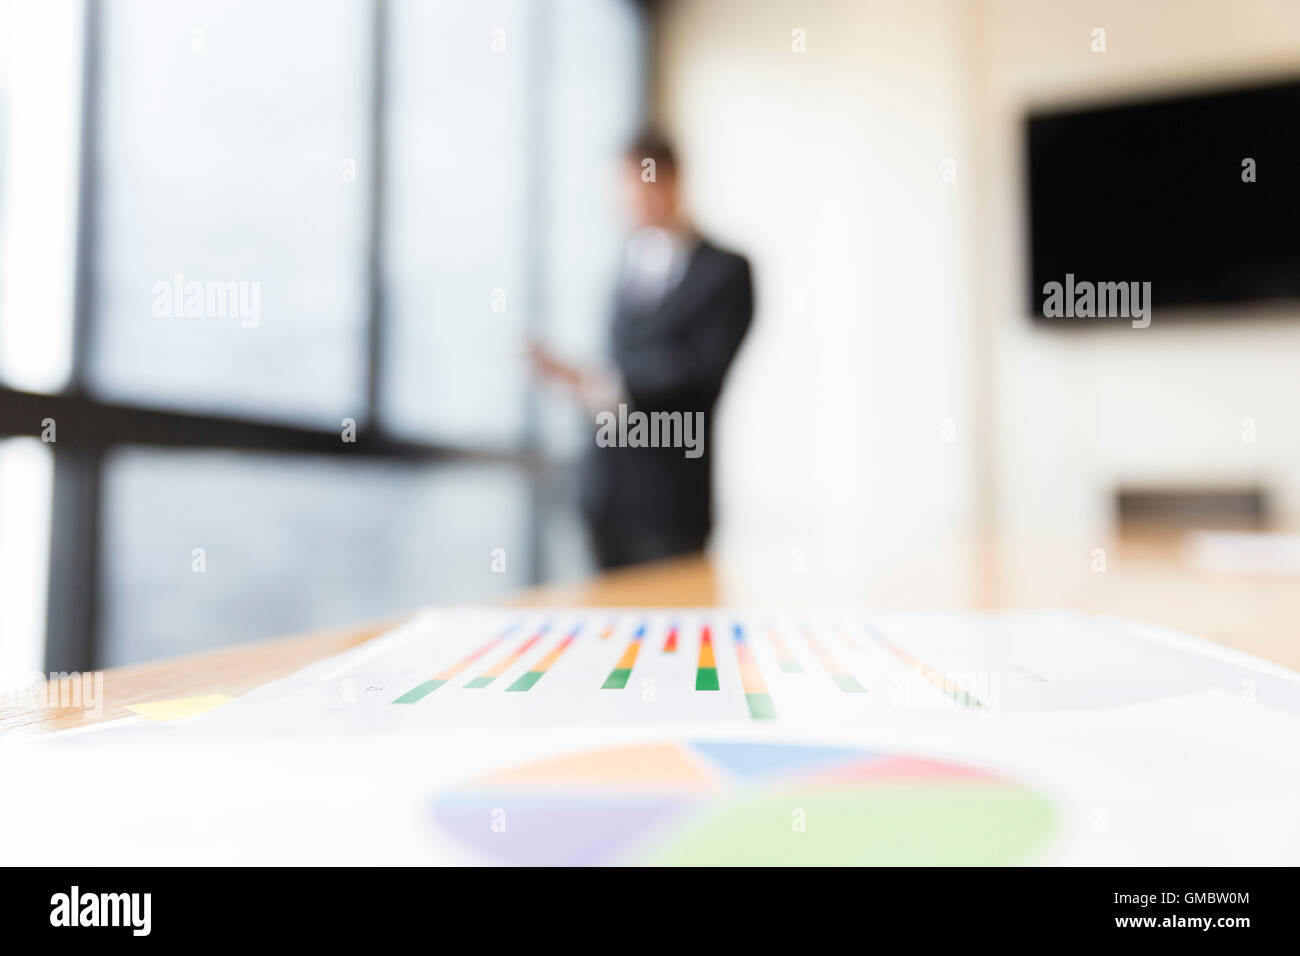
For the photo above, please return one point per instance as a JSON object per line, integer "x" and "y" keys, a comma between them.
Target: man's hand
{"x": 546, "y": 364}
{"x": 596, "y": 388}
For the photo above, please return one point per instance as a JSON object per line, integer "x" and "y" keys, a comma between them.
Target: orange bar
{"x": 706, "y": 648}
{"x": 505, "y": 662}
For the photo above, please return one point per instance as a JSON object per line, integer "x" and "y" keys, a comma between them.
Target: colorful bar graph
{"x": 937, "y": 678}
{"x": 789, "y": 663}
{"x": 618, "y": 677}
{"x": 429, "y": 686}
{"x": 757, "y": 695}
{"x": 495, "y": 671}
{"x": 670, "y": 642}
{"x": 706, "y": 673}
{"x": 530, "y": 678}
{"x": 843, "y": 679}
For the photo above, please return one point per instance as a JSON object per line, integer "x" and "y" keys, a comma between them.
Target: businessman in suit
{"x": 682, "y": 310}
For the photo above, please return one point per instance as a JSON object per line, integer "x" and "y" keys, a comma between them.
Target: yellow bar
{"x": 629, "y": 656}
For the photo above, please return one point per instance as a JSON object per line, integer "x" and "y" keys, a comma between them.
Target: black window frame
{"x": 89, "y": 427}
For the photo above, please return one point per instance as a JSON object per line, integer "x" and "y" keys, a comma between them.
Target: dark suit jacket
{"x": 673, "y": 356}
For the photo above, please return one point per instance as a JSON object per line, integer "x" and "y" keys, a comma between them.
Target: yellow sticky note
{"x": 179, "y": 708}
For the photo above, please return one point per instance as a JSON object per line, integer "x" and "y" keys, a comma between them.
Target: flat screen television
{"x": 1154, "y": 191}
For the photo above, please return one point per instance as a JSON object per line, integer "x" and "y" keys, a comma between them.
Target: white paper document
{"x": 464, "y": 669}
{"x": 692, "y": 736}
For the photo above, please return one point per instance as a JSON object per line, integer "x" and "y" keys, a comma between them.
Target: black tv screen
{"x": 1153, "y": 192}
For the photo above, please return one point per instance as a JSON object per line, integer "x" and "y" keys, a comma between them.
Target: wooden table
{"x": 1145, "y": 578}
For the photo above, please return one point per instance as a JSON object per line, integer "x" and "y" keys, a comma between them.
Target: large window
{"x": 216, "y": 544}
{"x": 223, "y": 131}
{"x": 288, "y": 256}
{"x": 459, "y": 246}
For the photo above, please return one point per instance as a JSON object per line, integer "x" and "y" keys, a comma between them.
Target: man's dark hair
{"x": 651, "y": 144}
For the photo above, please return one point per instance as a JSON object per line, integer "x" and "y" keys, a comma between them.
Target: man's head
{"x": 651, "y": 190}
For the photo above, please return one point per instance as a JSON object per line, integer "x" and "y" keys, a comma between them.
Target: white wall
{"x": 1079, "y": 412}
{"x": 824, "y": 168}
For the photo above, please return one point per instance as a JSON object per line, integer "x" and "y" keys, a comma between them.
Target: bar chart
{"x": 652, "y": 641}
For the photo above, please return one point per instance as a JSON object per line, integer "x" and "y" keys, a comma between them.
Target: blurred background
{"x": 410, "y": 189}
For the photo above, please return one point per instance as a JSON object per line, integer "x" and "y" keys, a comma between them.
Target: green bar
{"x": 480, "y": 682}
{"x": 791, "y": 667}
{"x": 848, "y": 683}
{"x": 617, "y": 678}
{"x": 415, "y": 693}
{"x": 966, "y": 699}
{"x": 706, "y": 678}
{"x": 527, "y": 681}
{"x": 760, "y": 706}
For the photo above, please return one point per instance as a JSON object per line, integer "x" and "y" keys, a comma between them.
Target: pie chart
{"x": 741, "y": 803}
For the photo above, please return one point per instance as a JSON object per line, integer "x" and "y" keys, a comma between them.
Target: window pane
{"x": 594, "y": 95}
{"x": 232, "y": 206}
{"x": 294, "y": 543}
{"x": 40, "y": 127}
{"x": 462, "y": 85}
{"x": 26, "y": 486}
